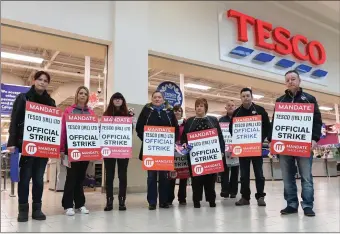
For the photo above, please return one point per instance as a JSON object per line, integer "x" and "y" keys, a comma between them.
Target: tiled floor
{"x": 224, "y": 218}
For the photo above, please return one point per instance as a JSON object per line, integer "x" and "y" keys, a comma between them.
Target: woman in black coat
{"x": 199, "y": 123}
{"x": 30, "y": 167}
{"x": 156, "y": 113}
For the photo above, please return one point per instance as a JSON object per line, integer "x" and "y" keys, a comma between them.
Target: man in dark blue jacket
{"x": 295, "y": 94}
{"x": 229, "y": 187}
{"x": 248, "y": 108}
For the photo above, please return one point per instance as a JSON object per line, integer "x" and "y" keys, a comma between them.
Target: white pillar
{"x": 181, "y": 86}
{"x": 128, "y": 54}
{"x": 128, "y": 71}
{"x": 336, "y": 108}
{"x": 87, "y": 73}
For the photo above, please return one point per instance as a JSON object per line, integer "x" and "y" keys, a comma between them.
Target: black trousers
{"x": 182, "y": 190}
{"x": 74, "y": 190}
{"x": 31, "y": 168}
{"x": 229, "y": 180}
{"x": 110, "y": 167}
{"x": 206, "y": 182}
{"x": 245, "y": 176}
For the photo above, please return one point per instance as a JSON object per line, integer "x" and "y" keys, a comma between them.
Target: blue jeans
{"x": 163, "y": 187}
{"x": 31, "y": 167}
{"x": 288, "y": 169}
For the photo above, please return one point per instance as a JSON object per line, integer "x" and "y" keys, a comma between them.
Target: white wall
{"x": 8, "y": 78}
{"x": 190, "y": 30}
{"x": 87, "y": 18}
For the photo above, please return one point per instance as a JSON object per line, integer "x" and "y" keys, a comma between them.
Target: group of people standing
{"x": 159, "y": 113}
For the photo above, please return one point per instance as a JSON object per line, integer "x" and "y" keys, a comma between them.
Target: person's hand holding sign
{"x": 62, "y": 155}
{"x": 11, "y": 149}
{"x": 314, "y": 144}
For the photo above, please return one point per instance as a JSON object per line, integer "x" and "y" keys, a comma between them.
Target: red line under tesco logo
{"x": 284, "y": 43}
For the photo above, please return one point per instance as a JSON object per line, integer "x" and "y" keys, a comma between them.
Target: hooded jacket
{"x": 302, "y": 97}
{"x": 16, "y": 129}
{"x": 151, "y": 117}
{"x": 74, "y": 109}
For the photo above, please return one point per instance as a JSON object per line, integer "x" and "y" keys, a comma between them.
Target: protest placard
{"x": 247, "y": 136}
{"x": 83, "y": 137}
{"x": 42, "y": 131}
{"x": 226, "y": 136}
{"x": 292, "y": 129}
{"x": 158, "y": 148}
{"x": 116, "y": 137}
{"x": 205, "y": 155}
{"x": 181, "y": 167}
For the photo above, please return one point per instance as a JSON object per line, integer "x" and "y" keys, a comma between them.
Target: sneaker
{"x": 183, "y": 203}
{"x": 309, "y": 212}
{"x": 261, "y": 202}
{"x": 83, "y": 210}
{"x": 152, "y": 207}
{"x": 212, "y": 204}
{"x": 242, "y": 202}
{"x": 164, "y": 206}
{"x": 70, "y": 212}
{"x": 288, "y": 210}
{"x": 224, "y": 194}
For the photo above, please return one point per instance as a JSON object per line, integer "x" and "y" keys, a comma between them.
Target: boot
{"x": 122, "y": 203}
{"x": 37, "y": 214}
{"x": 109, "y": 204}
{"x": 23, "y": 212}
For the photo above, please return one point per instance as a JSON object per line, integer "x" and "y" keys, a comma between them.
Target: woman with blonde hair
{"x": 73, "y": 190}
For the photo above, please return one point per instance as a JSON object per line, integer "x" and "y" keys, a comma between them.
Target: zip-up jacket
{"x": 225, "y": 119}
{"x": 253, "y": 110}
{"x": 151, "y": 117}
{"x": 303, "y": 97}
{"x": 74, "y": 109}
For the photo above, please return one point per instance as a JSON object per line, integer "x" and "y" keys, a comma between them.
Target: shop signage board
{"x": 205, "y": 155}
{"x": 9, "y": 92}
{"x": 172, "y": 93}
{"x": 83, "y": 137}
{"x": 116, "y": 137}
{"x": 259, "y": 44}
{"x": 181, "y": 167}
{"x": 42, "y": 131}
{"x": 158, "y": 148}
{"x": 292, "y": 129}
{"x": 247, "y": 136}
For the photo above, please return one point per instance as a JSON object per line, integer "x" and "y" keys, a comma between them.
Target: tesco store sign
{"x": 258, "y": 44}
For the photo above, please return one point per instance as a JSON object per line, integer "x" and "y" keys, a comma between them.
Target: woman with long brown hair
{"x": 73, "y": 190}
{"x": 117, "y": 107}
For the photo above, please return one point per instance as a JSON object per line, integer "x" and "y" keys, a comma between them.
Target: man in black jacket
{"x": 30, "y": 167}
{"x": 295, "y": 94}
{"x": 248, "y": 108}
{"x": 229, "y": 186}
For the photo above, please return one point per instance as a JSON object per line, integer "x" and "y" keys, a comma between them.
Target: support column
{"x": 128, "y": 72}
{"x": 181, "y": 86}
{"x": 87, "y": 73}
{"x": 336, "y": 108}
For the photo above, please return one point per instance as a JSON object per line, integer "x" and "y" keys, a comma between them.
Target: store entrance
{"x": 71, "y": 63}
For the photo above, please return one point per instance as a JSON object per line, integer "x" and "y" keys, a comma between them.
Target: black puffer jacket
{"x": 150, "y": 117}
{"x": 16, "y": 129}
{"x": 302, "y": 97}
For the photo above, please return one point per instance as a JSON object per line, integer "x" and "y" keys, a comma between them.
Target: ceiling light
{"x": 196, "y": 86}
{"x": 325, "y": 108}
{"x": 5, "y": 120}
{"x": 214, "y": 115}
{"x": 21, "y": 57}
{"x": 257, "y": 96}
